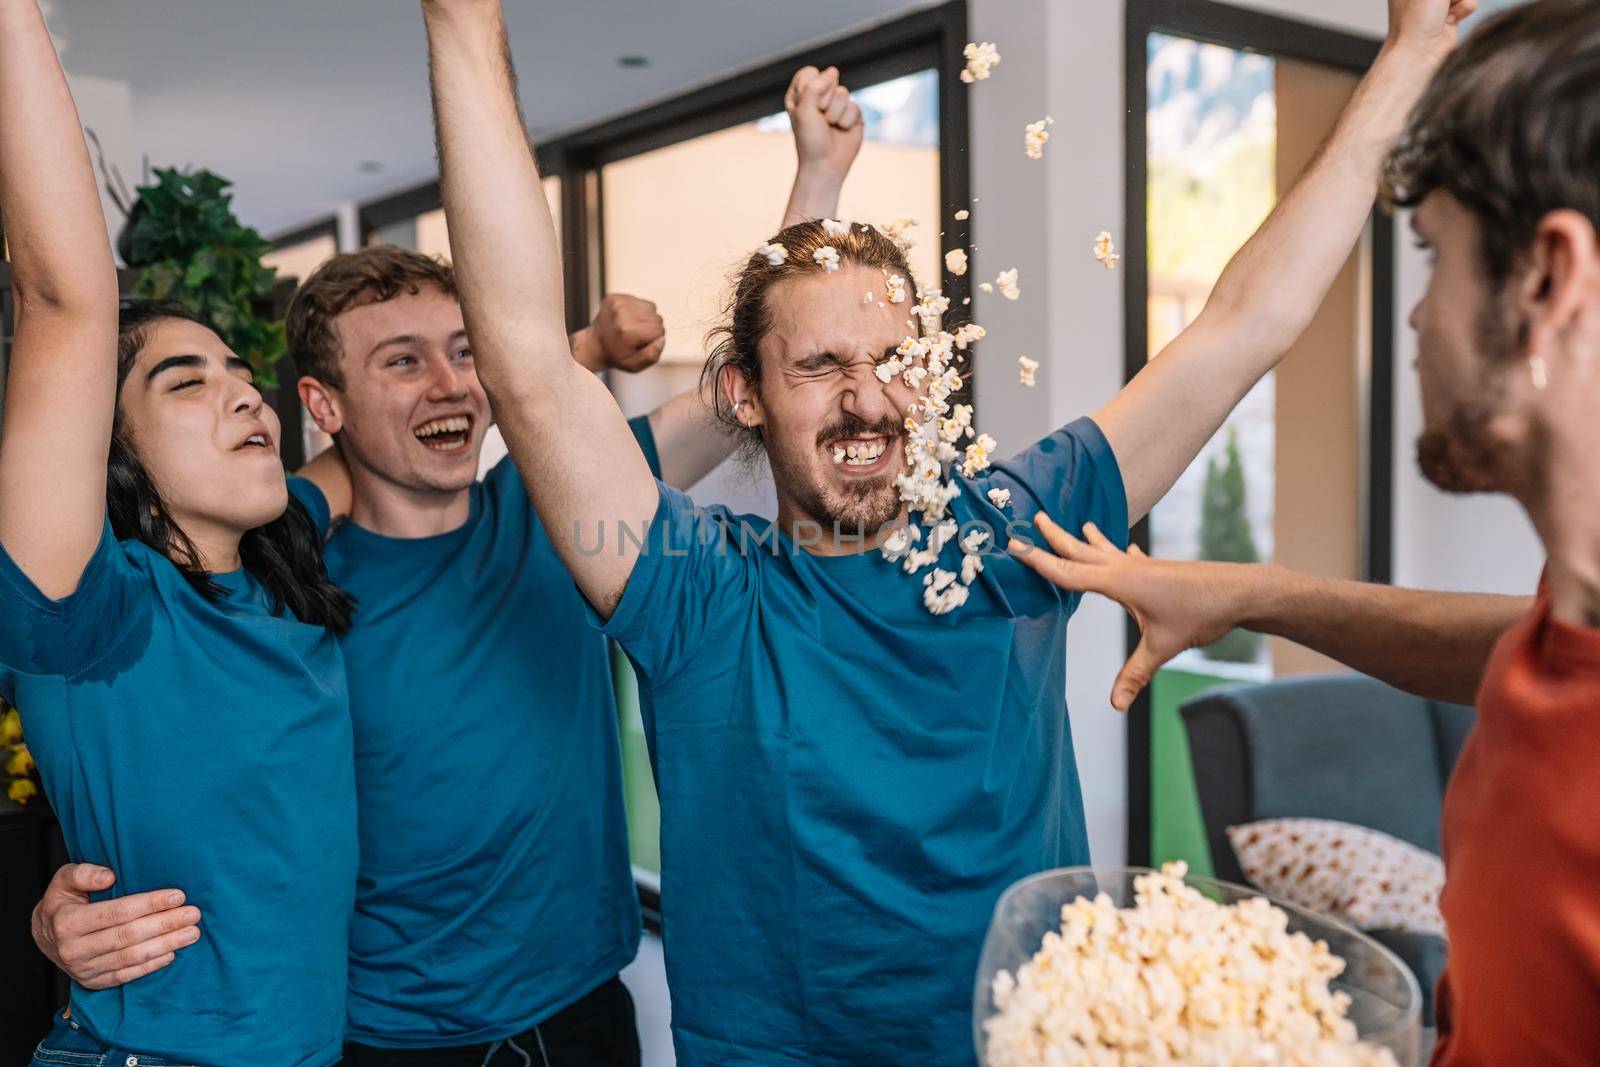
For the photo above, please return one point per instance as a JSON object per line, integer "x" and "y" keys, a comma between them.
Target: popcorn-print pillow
{"x": 1363, "y": 876}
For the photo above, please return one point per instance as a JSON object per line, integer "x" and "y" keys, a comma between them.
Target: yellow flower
{"x": 20, "y": 763}
{"x": 20, "y": 790}
{"x": 10, "y": 727}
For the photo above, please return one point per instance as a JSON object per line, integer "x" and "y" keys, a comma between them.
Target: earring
{"x": 1541, "y": 376}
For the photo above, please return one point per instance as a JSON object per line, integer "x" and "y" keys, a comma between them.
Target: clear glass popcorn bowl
{"x": 1385, "y": 1001}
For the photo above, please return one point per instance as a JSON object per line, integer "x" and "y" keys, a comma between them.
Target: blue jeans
{"x": 70, "y": 1045}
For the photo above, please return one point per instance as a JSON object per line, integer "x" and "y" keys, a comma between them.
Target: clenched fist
{"x": 628, "y": 334}
{"x": 827, "y": 123}
{"x": 1431, "y": 27}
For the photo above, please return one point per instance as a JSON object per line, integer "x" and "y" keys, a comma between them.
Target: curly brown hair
{"x": 354, "y": 279}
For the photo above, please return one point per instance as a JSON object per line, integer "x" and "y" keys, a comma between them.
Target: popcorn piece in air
{"x": 888, "y": 369}
{"x": 828, "y": 257}
{"x": 963, "y": 215}
{"x": 895, "y": 287}
{"x": 1105, "y": 251}
{"x": 981, "y": 59}
{"x": 835, "y": 228}
{"x": 1029, "y": 366}
{"x": 943, "y": 594}
{"x": 971, "y": 567}
{"x": 955, "y": 261}
{"x": 895, "y": 230}
{"x": 1000, "y": 498}
{"x": 968, "y": 333}
{"x": 1035, "y": 136}
{"x": 978, "y": 454}
{"x": 774, "y": 252}
{"x": 1006, "y": 282}
{"x": 985, "y": 287}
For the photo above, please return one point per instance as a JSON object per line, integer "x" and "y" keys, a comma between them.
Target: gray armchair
{"x": 1342, "y": 747}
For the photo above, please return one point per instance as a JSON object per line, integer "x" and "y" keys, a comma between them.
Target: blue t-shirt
{"x": 495, "y": 886}
{"x": 847, "y": 782}
{"x": 204, "y": 746}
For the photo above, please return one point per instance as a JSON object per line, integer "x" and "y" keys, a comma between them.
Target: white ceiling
{"x": 289, "y": 97}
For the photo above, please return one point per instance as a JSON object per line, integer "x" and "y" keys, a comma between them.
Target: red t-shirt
{"x": 1521, "y": 828}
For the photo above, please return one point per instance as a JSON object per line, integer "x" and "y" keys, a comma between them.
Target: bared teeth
{"x": 453, "y": 424}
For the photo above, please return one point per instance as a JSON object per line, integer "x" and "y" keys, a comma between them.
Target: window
{"x": 727, "y": 192}
{"x": 300, "y": 258}
{"x": 1298, "y": 473}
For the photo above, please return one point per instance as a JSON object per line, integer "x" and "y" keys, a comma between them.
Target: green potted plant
{"x": 184, "y": 241}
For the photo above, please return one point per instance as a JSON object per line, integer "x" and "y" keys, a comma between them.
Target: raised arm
{"x": 61, "y": 393}
{"x": 827, "y": 137}
{"x": 582, "y": 467}
{"x": 1274, "y": 284}
{"x": 827, "y": 127}
{"x": 1433, "y": 644}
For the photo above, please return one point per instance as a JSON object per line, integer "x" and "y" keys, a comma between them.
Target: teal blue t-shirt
{"x": 495, "y": 886}
{"x": 848, "y": 783}
{"x": 204, "y": 746}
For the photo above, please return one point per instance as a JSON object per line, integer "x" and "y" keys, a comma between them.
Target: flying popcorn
{"x": 971, "y": 567}
{"x": 828, "y": 257}
{"x": 835, "y": 228}
{"x": 895, "y": 230}
{"x": 1006, "y": 282}
{"x": 774, "y": 252}
{"x": 986, "y": 287}
{"x": 1029, "y": 366}
{"x": 895, "y": 287}
{"x": 1035, "y": 136}
{"x": 1105, "y": 251}
{"x": 1000, "y": 498}
{"x": 963, "y": 215}
{"x": 955, "y": 261}
{"x": 888, "y": 369}
{"x": 978, "y": 454}
{"x": 1178, "y": 978}
{"x": 930, "y": 305}
{"x": 981, "y": 59}
{"x": 968, "y": 333}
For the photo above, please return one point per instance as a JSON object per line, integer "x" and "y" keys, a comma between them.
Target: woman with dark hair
{"x": 168, "y": 632}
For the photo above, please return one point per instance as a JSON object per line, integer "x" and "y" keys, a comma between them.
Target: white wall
{"x": 1065, "y": 60}
{"x": 106, "y": 107}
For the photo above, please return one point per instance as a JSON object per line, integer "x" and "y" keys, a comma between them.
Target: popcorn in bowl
{"x": 1193, "y": 974}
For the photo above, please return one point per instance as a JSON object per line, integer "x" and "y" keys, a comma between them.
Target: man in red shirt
{"x": 1502, "y": 161}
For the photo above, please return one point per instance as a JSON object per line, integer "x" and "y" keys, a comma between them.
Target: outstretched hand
{"x": 827, "y": 123}
{"x": 1177, "y": 605}
{"x": 1432, "y": 27}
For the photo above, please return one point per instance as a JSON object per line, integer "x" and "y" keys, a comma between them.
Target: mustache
{"x": 855, "y": 426}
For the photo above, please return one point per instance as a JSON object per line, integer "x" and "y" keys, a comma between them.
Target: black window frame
{"x": 1209, "y": 21}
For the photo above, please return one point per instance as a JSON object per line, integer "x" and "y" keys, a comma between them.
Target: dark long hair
{"x": 285, "y": 555}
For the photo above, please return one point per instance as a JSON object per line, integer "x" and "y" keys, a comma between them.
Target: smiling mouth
{"x": 255, "y": 440}
{"x": 861, "y": 455}
{"x": 449, "y": 434}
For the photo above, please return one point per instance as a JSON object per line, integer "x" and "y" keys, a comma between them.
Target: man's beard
{"x": 863, "y": 505}
{"x": 1463, "y": 455}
